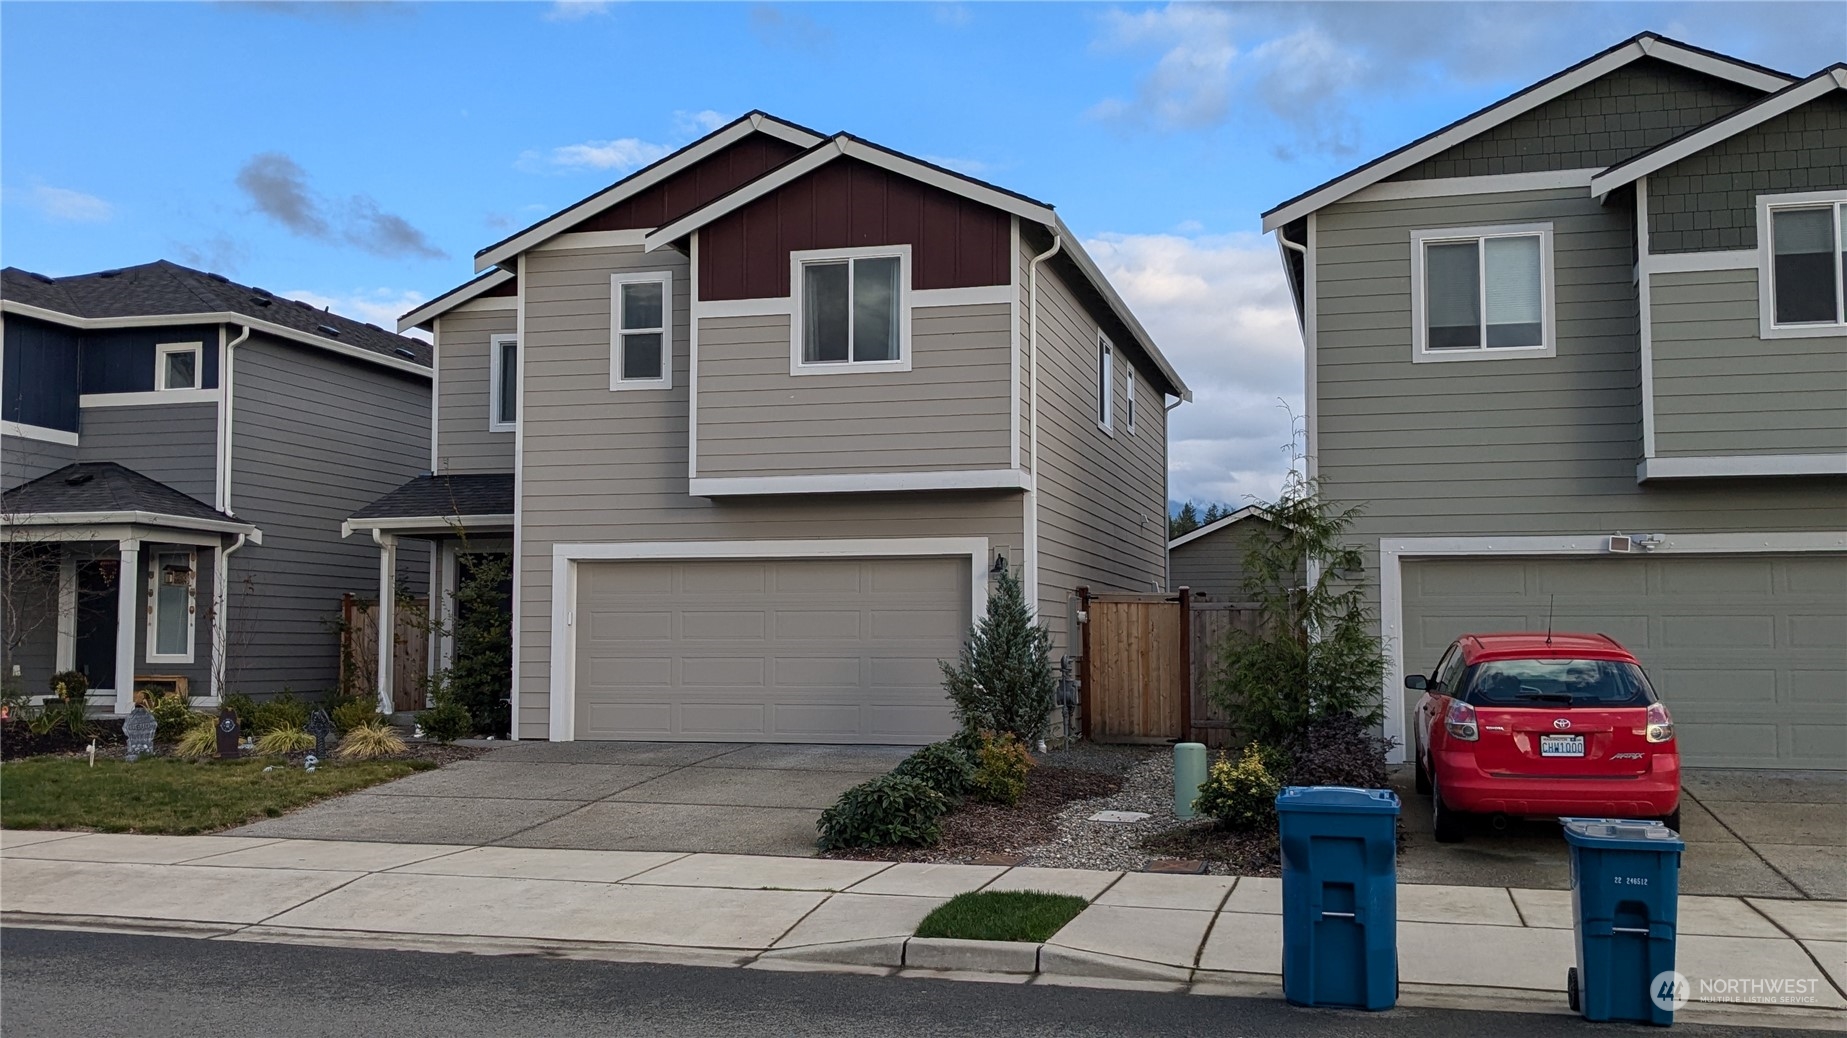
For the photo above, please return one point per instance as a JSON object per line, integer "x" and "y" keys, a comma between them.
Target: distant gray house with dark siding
{"x": 209, "y": 439}
{"x": 1210, "y": 560}
{"x": 1582, "y": 358}
{"x": 769, "y": 415}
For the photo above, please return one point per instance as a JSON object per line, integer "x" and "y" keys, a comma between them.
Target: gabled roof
{"x": 163, "y": 292}
{"x": 845, "y": 145}
{"x": 644, "y": 178}
{"x": 442, "y": 304}
{"x": 103, "y": 491}
{"x": 1247, "y": 512}
{"x": 1665, "y": 154}
{"x": 1644, "y": 45}
{"x": 445, "y": 496}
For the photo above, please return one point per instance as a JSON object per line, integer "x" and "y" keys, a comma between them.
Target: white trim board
{"x": 1589, "y": 70}
{"x": 518, "y": 567}
{"x": 921, "y": 298}
{"x": 626, "y": 238}
{"x": 1216, "y": 525}
{"x": 458, "y": 297}
{"x": 1695, "y": 262}
{"x": 151, "y": 397}
{"x": 562, "y": 720}
{"x": 1741, "y": 465}
{"x": 860, "y": 482}
{"x": 474, "y": 524}
{"x": 178, "y": 522}
{"x": 38, "y": 432}
{"x": 1448, "y": 187}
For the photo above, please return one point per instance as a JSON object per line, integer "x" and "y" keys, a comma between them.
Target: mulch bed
{"x": 988, "y": 829}
{"x": 1245, "y": 854}
{"x": 17, "y": 740}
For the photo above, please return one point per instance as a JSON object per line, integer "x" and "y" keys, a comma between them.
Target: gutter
{"x": 224, "y": 445}
{"x": 1032, "y": 397}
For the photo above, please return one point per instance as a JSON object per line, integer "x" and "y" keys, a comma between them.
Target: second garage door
{"x": 775, "y": 650}
{"x": 1750, "y": 652}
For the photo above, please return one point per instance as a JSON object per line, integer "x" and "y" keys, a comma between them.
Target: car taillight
{"x": 1460, "y": 722}
{"x": 1660, "y": 725}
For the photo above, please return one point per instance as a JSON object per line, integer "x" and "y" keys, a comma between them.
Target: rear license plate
{"x": 1561, "y": 746}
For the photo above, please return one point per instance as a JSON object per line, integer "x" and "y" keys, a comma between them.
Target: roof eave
{"x": 425, "y": 315}
{"x": 1247, "y": 512}
{"x": 1120, "y": 309}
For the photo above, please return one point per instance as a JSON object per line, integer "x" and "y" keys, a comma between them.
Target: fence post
{"x": 1085, "y": 692}
{"x": 1186, "y": 664}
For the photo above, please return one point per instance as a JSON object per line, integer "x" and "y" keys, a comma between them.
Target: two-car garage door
{"x": 777, "y": 650}
{"x": 1749, "y": 652}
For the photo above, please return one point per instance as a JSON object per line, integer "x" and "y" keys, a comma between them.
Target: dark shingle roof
{"x": 490, "y": 494}
{"x": 162, "y": 287}
{"x": 103, "y": 486}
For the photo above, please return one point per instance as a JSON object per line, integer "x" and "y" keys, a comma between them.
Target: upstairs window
{"x": 1482, "y": 292}
{"x": 503, "y": 407}
{"x": 176, "y": 365}
{"x": 852, "y": 310}
{"x": 1106, "y": 382}
{"x": 1128, "y": 398}
{"x": 1808, "y": 271}
{"x": 641, "y": 349}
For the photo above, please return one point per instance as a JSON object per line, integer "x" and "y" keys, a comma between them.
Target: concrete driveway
{"x": 730, "y": 797}
{"x": 1748, "y": 833}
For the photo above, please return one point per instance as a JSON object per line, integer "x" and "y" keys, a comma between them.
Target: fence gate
{"x": 359, "y": 651}
{"x": 1148, "y": 665}
{"x": 1210, "y": 623}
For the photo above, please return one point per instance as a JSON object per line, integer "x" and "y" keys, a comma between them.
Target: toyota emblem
{"x": 1562, "y": 723}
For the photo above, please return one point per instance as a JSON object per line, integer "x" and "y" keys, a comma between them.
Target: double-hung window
{"x": 1480, "y": 292}
{"x": 1806, "y": 263}
{"x": 851, "y": 310}
{"x": 1106, "y": 382}
{"x": 172, "y": 582}
{"x": 503, "y": 391}
{"x": 641, "y": 339}
{"x": 176, "y": 365}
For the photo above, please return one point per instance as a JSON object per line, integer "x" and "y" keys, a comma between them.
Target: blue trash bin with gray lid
{"x": 1625, "y": 896}
{"x": 1340, "y": 896}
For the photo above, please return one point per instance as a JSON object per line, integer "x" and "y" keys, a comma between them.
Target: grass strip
{"x": 1002, "y": 915}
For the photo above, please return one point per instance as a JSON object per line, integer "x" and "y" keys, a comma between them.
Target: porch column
{"x": 387, "y": 615}
{"x": 127, "y": 622}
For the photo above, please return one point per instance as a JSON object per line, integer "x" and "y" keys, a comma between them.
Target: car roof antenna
{"x": 1550, "y": 602}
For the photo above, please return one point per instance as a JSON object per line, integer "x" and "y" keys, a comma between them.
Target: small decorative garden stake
{"x": 92, "y": 753}
{"x": 227, "y": 734}
{"x": 139, "y": 728}
{"x": 320, "y": 726}
{"x": 311, "y": 763}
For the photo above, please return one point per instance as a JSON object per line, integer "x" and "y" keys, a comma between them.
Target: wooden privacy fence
{"x": 1148, "y": 662}
{"x": 359, "y": 650}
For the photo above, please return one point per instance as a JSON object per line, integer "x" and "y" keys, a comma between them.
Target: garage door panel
{"x": 1698, "y": 685}
{"x": 1728, "y": 745}
{"x": 636, "y": 672}
{"x": 728, "y": 625}
{"x": 638, "y": 578}
{"x": 724, "y": 671}
{"x": 1712, "y": 632}
{"x": 912, "y": 577}
{"x": 797, "y": 624}
{"x": 722, "y": 718}
{"x": 895, "y": 720}
{"x": 1818, "y": 632}
{"x": 1619, "y": 577}
{"x": 1826, "y": 579}
{"x": 897, "y": 672}
{"x": 640, "y": 717}
{"x": 835, "y": 577}
{"x": 818, "y": 719}
{"x": 819, "y": 672}
{"x": 606, "y": 624}
{"x": 1816, "y": 745}
{"x": 1475, "y": 581}
{"x": 1725, "y": 578}
{"x": 1817, "y": 687}
{"x": 724, "y": 578}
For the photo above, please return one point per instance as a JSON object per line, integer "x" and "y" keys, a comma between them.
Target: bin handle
{"x": 1629, "y": 929}
{"x": 1339, "y": 915}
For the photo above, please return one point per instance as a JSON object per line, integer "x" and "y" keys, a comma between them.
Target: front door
{"x": 97, "y": 600}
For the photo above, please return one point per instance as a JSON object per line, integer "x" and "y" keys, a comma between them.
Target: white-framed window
{"x": 1106, "y": 383}
{"x": 1802, "y": 245}
{"x": 1128, "y": 397}
{"x": 173, "y": 579}
{"x": 1482, "y": 292}
{"x": 850, "y": 310}
{"x": 177, "y": 365}
{"x": 641, "y": 332}
{"x": 503, "y": 383}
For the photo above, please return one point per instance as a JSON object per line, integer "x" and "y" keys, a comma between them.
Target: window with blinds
{"x": 1481, "y": 290}
{"x": 1808, "y": 267}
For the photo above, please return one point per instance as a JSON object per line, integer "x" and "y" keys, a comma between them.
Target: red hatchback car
{"x": 1542, "y": 724}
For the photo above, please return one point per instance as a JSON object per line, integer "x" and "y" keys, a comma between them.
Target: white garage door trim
{"x": 563, "y": 720}
{"x": 1395, "y": 551}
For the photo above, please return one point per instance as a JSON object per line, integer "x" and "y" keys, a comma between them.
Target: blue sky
{"x": 358, "y": 154}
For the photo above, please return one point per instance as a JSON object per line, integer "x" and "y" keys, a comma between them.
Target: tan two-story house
{"x": 1582, "y": 358}
{"x": 761, "y": 422}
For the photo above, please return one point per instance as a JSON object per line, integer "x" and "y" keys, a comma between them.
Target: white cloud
{"x": 1219, "y": 308}
{"x": 380, "y": 306}
{"x": 698, "y": 124}
{"x": 575, "y": 10}
{"x": 620, "y": 156}
{"x": 62, "y": 203}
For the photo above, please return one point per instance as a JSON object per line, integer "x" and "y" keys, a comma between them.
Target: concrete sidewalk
{"x": 1474, "y": 947}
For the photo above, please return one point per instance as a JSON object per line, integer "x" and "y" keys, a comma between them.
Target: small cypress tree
{"x": 1003, "y": 682}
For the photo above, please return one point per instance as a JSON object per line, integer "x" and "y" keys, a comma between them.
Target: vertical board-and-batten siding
{"x": 603, "y": 466}
{"x": 1708, "y": 201}
{"x": 464, "y": 445}
{"x": 1719, "y": 389}
{"x": 316, "y": 437}
{"x": 718, "y": 175}
{"x": 949, "y": 412}
{"x": 176, "y": 444}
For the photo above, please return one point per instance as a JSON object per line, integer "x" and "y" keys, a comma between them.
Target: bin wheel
{"x": 1571, "y": 988}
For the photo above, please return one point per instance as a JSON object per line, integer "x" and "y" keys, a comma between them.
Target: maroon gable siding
{"x": 509, "y": 287}
{"x": 691, "y": 188}
{"x": 955, "y": 242}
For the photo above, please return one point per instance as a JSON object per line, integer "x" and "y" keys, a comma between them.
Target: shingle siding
{"x": 1708, "y": 201}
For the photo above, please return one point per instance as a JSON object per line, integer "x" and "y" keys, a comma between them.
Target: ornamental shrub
{"x": 197, "y": 742}
{"x": 352, "y": 713}
{"x": 1000, "y": 769}
{"x": 173, "y": 715}
{"x": 446, "y": 722}
{"x": 943, "y": 767}
{"x": 369, "y": 742}
{"x": 284, "y": 711}
{"x": 891, "y": 810}
{"x": 69, "y": 685}
{"x": 1339, "y": 750}
{"x": 284, "y": 741}
{"x": 1003, "y": 681}
{"x": 1241, "y": 796}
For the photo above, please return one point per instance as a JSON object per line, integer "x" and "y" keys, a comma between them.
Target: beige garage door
{"x": 781, "y": 650}
{"x": 1750, "y": 652}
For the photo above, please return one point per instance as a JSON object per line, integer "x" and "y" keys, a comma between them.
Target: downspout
{"x": 1032, "y": 397}
{"x": 1167, "y": 435}
{"x": 225, "y": 380}
{"x": 221, "y": 573}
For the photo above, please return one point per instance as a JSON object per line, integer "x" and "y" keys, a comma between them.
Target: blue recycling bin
{"x": 1625, "y": 894}
{"x": 1340, "y": 896}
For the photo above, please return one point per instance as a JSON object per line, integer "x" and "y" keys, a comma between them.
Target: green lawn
{"x": 163, "y": 795}
{"x": 1002, "y": 915}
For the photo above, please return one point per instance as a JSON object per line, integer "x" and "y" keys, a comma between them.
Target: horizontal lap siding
{"x": 23, "y": 460}
{"x": 317, "y": 437}
{"x": 1214, "y": 563}
{"x": 176, "y": 444}
{"x": 1720, "y": 389}
{"x": 463, "y": 443}
{"x": 949, "y": 412}
{"x": 602, "y": 466}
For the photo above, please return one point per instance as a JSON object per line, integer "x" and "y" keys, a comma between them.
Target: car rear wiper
{"x": 1548, "y": 697}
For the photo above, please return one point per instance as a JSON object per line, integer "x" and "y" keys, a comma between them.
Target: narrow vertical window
{"x": 1105, "y": 382}
{"x": 503, "y": 405}
{"x": 1128, "y": 397}
{"x": 641, "y": 341}
{"x": 172, "y": 582}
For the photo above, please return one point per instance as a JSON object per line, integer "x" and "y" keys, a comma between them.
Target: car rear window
{"x": 1555, "y": 683}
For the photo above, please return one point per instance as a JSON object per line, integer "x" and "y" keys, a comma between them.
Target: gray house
{"x": 1210, "y": 559}
{"x": 177, "y": 453}
{"x": 760, "y": 421}
{"x": 1581, "y": 355}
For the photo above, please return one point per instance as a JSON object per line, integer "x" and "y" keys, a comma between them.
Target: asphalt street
{"x": 66, "y": 983}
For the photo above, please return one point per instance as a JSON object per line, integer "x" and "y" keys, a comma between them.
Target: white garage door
{"x": 779, "y": 650}
{"x": 1749, "y": 652}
